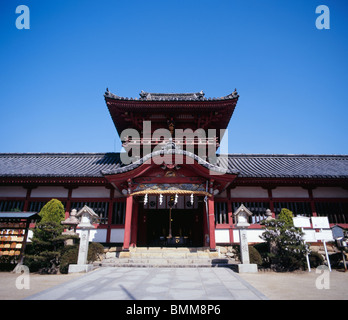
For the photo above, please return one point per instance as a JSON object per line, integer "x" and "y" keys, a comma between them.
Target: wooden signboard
{"x": 14, "y": 228}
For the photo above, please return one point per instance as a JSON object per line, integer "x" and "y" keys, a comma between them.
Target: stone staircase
{"x": 165, "y": 257}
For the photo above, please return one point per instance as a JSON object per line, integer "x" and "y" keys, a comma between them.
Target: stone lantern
{"x": 87, "y": 217}
{"x": 71, "y": 223}
{"x": 242, "y": 215}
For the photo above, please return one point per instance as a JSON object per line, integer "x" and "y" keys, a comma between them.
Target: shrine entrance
{"x": 171, "y": 227}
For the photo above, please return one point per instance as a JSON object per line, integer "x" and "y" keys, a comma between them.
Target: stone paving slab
{"x": 154, "y": 284}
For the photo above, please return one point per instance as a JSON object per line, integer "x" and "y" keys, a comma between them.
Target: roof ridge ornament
{"x": 232, "y": 95}
{"x": 143, "y": 94}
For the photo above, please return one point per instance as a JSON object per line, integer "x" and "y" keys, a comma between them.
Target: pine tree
{"x": 47, "y": 242}
{"x": 287, "y": 249}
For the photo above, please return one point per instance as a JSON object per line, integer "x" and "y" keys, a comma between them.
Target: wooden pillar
{"x": 27, "y": 198}
{"x": 310, "y": 195}
{"x": 68, "y": 203}
{"x": 134, "y": 227}
{"x": 212, "y": 243}
{"x": 128, "y": 223}
{"x": 271, "y": 205}
{"x": 110, "y": 211}
{"x": 230, "y": 219}
{"x": 205, "y": 227}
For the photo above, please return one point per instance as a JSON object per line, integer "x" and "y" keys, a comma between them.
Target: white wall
{"x": 222, "y": 236}
{"x": 327, "y": 192}
{"x": 90, "y": 192}
{"x": 15, "y": 191}
{"x": 249, "y": 192}
{"x": 252, "y": 234}
{"x": 290, "y": 192}
{"x": 49, "y": 192}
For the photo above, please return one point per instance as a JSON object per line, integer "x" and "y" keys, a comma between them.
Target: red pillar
{"x": 205, "y": 226}
{"x": 134, "y": 226}
{"x": 128, "y": 223}
{"x": 230, "y": 219}
{"x": 212, "y": 243}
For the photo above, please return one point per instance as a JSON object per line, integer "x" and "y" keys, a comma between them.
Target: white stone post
{"x": 87, "y": 217}
{"x": 83, "y": 249}
{"x": 244, "y": 249}
{"x": 241, "y": 216}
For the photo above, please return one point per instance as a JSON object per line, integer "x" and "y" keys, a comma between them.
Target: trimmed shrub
{"x": 254, "y": 256}
{"x": 52, "y": 211}
{"x": 286, "y": 216}
{"x": 70, "y": 254}
{"x": 95, "y": 251}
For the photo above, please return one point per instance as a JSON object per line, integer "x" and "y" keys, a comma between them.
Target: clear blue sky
{"x": 292, "y": 78}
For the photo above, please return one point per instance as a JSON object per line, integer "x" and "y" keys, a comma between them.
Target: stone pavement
{"x": 108, "y": 283}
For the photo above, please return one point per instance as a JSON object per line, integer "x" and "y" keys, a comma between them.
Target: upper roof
{"x": 184, "y": 110}
{"x": 148, "y": 96}
{"x": 248, "y": 165}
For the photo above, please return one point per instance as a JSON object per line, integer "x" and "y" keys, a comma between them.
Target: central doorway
{"x": 170, "y": 227}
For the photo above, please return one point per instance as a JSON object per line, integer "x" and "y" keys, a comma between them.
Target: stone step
{"x": 165, "y": 257}
{"x": 124, "y": 262}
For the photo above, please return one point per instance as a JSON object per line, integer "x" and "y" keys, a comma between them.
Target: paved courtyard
{"x": 154, "y": 284}
{"x": 178, "y": 283}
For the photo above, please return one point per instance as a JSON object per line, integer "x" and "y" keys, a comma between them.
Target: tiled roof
{"x": 57, "y": 164}
{"x": 92, "y": 165}
{"x": 290, "y": 166}
{"x": 150, "y": 96}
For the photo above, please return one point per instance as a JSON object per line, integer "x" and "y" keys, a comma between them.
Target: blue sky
{"x": 292, "y": 78}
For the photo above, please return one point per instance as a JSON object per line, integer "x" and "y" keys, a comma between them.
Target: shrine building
{"x": 170, "y": 187}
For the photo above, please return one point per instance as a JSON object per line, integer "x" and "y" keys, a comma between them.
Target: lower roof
{"x": 247, "y": 165}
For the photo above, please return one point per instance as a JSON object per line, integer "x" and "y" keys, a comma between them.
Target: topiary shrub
{"x": 286, "y": 216}
{"x": 52, "y": 211}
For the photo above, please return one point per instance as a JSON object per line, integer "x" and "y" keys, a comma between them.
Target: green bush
{"x": 70, "y": 254}
{"x": 254, "y": 256}
{"x": 52, "y": 211}
{"x": 315, "y": 259}
{"x": 335, "y": 259}
{"x": 286, "y": 216}
{"x": 263, "y": 249}
{"x": 95, "y": 251}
